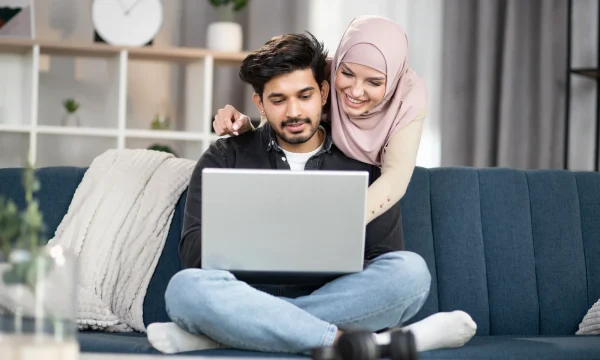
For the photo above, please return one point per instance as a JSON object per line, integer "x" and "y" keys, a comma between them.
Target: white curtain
{"x": 504, "y": 83}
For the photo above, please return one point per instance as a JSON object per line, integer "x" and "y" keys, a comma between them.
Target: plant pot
{"x": 224, "y": 36}
{"x": 71, "y": 119}
{"x": 38, "y": 305}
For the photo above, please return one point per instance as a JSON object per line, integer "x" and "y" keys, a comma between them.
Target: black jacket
{"x": 258, "y": 149}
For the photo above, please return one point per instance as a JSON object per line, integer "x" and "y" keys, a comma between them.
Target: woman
{"x": 377, "y": 107}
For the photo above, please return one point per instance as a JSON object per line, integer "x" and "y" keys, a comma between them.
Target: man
{"x": 211, "y": 307}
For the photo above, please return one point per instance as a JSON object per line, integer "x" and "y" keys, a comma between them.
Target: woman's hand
{"x": 229, "y": 121}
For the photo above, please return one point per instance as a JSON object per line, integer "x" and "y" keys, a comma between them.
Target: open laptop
{"x": 283, "y": 222}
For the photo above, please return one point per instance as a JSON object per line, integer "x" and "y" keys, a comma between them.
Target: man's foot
{"x": 169, "y": 338}
{"x": 441, "y": 330}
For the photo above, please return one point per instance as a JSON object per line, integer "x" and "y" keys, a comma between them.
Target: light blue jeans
{"x": 388, "y": 292}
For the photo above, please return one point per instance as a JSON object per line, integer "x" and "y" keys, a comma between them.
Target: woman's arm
{"x": 399, "y": 161}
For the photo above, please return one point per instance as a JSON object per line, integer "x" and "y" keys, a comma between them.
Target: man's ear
{"x": 324, "y": 92}
{"x": 259, "y": 104}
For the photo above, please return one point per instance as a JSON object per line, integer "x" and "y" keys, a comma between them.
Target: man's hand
{"x": 229, "y": 121}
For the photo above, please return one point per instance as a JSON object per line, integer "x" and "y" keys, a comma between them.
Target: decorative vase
{"x": 71, "y": 119}
{"x": 224, "y": 36}
{"x": 38, "y": 305}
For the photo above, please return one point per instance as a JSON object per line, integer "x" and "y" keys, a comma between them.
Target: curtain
{"x": 503, "y": 83}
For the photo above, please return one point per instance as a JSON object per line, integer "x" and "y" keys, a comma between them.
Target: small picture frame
{"x": 17, "y": 19}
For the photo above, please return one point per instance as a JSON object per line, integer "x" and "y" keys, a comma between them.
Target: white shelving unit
{"x": 22, "y": 122}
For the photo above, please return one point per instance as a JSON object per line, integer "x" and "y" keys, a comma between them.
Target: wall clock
{"x": 127, "y": 22}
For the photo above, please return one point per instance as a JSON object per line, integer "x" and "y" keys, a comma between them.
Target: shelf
{"x": 114, "y": 86}
{"x": 82, "y": 131}
{"x": 587, "y": 72}
{"x": 170, "y": 135}
{"x": 16, "y": 46}
{"x": 172, "y": 54}
{"x": 164, "y": 134}
{"x": 111, "y": 132}
{"x": 10, "y": 128}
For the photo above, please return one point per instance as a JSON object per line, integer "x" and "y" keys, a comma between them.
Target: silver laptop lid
{"x": 283, "y": 221}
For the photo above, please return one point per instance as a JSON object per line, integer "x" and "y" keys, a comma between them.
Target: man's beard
{"x": 296, "y": 139}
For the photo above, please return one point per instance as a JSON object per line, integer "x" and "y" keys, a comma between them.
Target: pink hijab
{"x": 381, "y": 44}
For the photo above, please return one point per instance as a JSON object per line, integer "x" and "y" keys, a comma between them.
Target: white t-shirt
{"x": 297, "y": 161}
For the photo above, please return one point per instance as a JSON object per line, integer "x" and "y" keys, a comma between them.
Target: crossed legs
{"x": 211, "y": 308}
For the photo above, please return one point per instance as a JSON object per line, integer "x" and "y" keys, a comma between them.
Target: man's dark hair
{"x": 281, "y": 55}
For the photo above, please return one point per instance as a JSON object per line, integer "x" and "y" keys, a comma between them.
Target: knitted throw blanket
{"x": 117, "y": 225}
{"x": 590, "y": 325}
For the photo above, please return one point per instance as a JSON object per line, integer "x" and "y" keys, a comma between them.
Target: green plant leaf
{"x": 9, "y": 225}
{"x": 217, "y": 3}
{"x": 17, "y": 273}
{"x": 32, "y": 225}
{"x": 40, "y": 264}
{"x": 11, "y": 278}
{"x": 164, "y": 148}
{"x": 239, "y": 4}
{"x": 21, "y": 228}
{"x": 27, "y": 272}
{"x": 32, "y": 217}
{"x": 71, "y": 105}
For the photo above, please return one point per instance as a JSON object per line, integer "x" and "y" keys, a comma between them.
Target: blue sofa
{"x": 518, "y": 250}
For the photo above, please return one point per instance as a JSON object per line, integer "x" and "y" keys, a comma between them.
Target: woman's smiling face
{"x": 360, "y": 88}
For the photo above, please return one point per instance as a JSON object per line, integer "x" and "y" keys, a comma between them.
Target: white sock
{"x": 441, "y": 330}
{"x": 169, "y": 338}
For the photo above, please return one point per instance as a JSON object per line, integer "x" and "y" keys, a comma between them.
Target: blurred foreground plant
{"x": 21, "y": 234}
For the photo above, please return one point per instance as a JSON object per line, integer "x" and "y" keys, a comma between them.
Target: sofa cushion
{"x": 525, "y": 348}
{"x": 167, "y": 266}
{"x": 128, "y": 343}
{"x": 136, "y": 343}
{"x": 58, "y": 185}
{"x": 494, "y": 348}
{"x": 480, "y": 347}
{"x": 515, "y": 249}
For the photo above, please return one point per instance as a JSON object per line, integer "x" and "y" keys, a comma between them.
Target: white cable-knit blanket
{"x": 117, "y": 224}
{"x": 590, "y": 325}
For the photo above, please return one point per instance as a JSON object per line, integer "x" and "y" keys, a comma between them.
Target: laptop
{"x": 283, "y": 222}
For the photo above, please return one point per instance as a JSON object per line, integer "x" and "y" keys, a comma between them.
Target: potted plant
{"x": 160, "y": 122}
{"x": 163, "y": 148}
{"x": 38, "y": 282}
{"x": 226, "y": 34}
{"x": 71, "y": 118}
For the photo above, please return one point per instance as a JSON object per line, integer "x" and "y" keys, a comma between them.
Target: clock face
{"x": 127, "y": 22}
